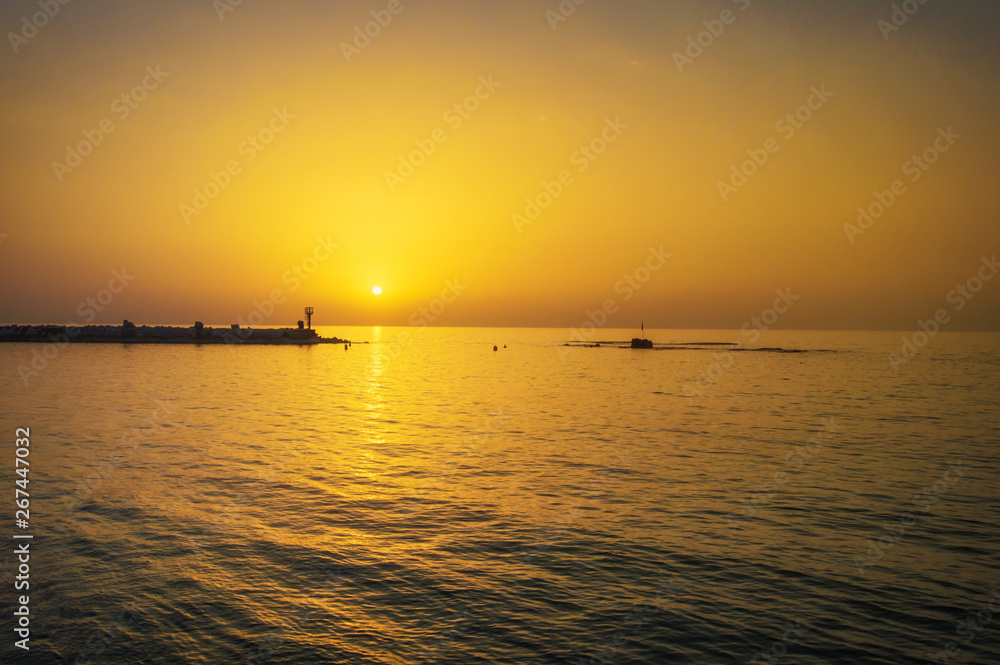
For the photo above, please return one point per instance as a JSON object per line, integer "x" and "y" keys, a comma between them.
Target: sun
{"x": 377, "y": 290}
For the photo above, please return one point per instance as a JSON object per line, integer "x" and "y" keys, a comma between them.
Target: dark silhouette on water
{"x": 639, "y": 342}
{"x": 129, "y": 333}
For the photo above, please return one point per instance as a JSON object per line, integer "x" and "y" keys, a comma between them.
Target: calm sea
{"x": 424, "y": 499}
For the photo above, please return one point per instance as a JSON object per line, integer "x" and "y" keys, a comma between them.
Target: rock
{"x": 641, "y": 343}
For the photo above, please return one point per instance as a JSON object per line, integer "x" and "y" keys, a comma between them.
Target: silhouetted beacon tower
{"x": 309, "y": 317}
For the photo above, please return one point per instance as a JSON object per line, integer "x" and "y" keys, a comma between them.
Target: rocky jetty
{"x": 129, "y": 333}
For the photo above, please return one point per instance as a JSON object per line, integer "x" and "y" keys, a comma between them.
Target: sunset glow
{"x": 222, "y": 154}
{"x": 500, "y": 331}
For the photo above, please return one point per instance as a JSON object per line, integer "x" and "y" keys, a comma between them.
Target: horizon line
{"x": 514, "y": 327}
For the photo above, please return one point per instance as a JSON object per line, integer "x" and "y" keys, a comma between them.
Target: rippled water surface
{"x": 422, "y": 498}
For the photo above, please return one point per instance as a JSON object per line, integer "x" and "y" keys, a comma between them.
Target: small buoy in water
{"x": 345, "y": 347}
{"x": 505, "y": 346}
{"x": 494, "y": 347}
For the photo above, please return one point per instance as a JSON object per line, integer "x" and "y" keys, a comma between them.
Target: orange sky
{"x": 300, "y": 141}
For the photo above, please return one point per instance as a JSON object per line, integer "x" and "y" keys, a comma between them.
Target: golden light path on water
{"x": 424, "y": 498}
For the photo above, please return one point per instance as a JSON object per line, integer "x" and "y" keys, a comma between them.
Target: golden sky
{"x": 225, "y": 157}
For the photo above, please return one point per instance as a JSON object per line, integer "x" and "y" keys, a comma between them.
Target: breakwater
{"x": 130, "y": 333}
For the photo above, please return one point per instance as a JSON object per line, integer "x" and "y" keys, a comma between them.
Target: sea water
{"x": 424, "y": 498}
